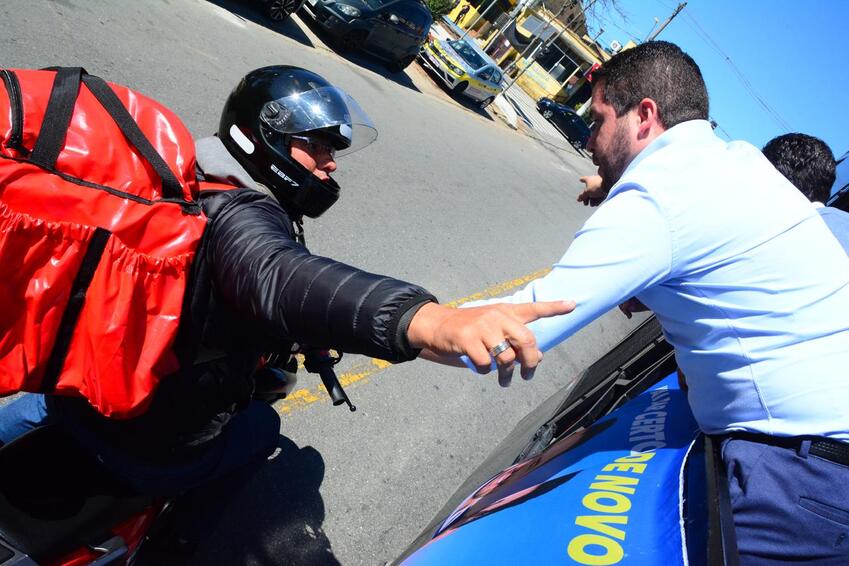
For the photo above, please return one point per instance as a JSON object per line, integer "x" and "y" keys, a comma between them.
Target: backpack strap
{"x": 72, "y": 311}
{"x": 57, "y": 119}
{"x": 171, "y": 188}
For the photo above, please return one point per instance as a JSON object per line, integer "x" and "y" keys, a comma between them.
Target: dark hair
{"x": 658, "y": 70}
{"x": 806, "y": 161}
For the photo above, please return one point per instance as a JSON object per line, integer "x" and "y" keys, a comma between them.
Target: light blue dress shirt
{"x": 747, "y": 282}
{"x": 838, "y": 222}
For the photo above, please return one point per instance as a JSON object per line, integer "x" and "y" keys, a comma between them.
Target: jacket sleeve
{"x": 261, "y": 272}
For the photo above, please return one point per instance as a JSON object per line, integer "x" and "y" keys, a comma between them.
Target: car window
{"x": 467, "y": 53}
{"x": 412, "y": 16}
{"x": 486, "y": 74}
{"x": 496, "y": 77}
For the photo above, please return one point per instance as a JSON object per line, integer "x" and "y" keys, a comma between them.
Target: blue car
{"x": 391, "y": 30}
{"x": 611, "y": 471}
{"x": 566, "y": 120}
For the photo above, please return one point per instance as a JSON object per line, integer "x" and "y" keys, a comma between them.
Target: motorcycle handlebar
{"x": 321, "y": 362}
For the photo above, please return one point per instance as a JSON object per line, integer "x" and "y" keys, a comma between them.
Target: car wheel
{"x": 279, "y": 10}
{"x": 486, "y": 102}
{"x": 460, "y": 87}
{"x": 401, "y": 64}
{"x": 352, "y": 40}
{"x": 547, "y": 114}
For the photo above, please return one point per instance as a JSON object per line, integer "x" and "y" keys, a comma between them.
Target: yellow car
{"x": 465, "y": 68}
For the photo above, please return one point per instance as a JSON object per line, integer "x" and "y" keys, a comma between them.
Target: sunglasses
{"x": 315, "y": 147}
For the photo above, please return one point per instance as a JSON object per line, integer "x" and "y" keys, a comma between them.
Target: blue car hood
{"x": 608, "y": 494}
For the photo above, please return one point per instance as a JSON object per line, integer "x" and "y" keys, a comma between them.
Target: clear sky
{"x": 793, "y": 55}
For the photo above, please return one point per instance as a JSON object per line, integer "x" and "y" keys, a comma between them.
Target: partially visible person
{"x": 256, "y": 289}
{"x": 749, "y": 287}
{"x": 809, "y": 164}
{"x": 594, "y": 192}
{"x": 462, "y": 14}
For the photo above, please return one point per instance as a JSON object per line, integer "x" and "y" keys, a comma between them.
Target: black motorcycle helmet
{"x": 271, "y": 105}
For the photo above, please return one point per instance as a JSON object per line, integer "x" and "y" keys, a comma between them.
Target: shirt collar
{"x": 688, "y": 132}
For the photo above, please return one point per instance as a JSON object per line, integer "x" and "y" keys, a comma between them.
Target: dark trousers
{"x": 788, "y": 505}
{"x": 204, "y": 484}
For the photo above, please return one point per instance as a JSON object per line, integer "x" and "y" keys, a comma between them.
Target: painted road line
{"x": 360, "y": 372}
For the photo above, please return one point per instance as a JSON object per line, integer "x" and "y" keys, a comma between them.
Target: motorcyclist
{"x": 256, "y": 289}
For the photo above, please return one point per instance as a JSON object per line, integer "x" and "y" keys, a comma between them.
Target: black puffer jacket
{"x": 256, "y": 290}
{"x": 252, "y": 267}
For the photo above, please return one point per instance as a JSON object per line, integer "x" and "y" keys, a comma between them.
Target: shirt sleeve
{"x": 624, "y": 248}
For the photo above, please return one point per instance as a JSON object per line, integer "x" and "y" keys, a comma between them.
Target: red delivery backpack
{"x": 99, "y": 224}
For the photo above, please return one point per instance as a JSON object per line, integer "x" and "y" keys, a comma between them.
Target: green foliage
{"x": 439, "y": 7}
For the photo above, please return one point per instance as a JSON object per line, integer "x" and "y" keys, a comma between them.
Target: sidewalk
{"x": 526, "y": 109}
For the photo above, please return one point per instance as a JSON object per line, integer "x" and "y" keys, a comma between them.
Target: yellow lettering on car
{"x": 610, "y": 503}
{"x": 613, "y": 552}
{"x": 601, "y": 524}
{"x": 606, "y": 502}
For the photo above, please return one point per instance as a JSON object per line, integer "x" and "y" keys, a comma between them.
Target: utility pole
{"x": 666, "y": 23}
{"x": 544, "y": 44}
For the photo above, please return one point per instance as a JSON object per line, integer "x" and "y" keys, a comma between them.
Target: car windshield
{"x": 467, "y": 53}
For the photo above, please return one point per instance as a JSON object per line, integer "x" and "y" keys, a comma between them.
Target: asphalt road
{"x": 448, "y": 197}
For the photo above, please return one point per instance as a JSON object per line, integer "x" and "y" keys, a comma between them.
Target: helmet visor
{"x": 326, "y": 111}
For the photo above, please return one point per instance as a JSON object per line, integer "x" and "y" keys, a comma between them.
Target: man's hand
{"x": 631, "y": 306}
{"x": 448, "y": 333}
{"x": 594, "y": 193}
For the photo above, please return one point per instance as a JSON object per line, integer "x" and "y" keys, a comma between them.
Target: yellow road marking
{"x": 360, "y": 372}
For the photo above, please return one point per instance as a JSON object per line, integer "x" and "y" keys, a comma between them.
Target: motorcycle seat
{"x": 55, "y": 497}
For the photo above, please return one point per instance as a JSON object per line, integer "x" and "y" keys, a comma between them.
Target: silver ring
{"x": 502, "y": 346}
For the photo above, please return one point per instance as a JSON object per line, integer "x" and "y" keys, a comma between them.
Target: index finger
{"x": 529, "y": 312}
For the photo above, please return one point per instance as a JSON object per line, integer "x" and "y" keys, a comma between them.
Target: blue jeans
{"x": 204, "y": 484}
{"x": 788, "y": 505}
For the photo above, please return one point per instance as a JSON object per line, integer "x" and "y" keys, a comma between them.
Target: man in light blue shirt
{"x": 749, "y": 286}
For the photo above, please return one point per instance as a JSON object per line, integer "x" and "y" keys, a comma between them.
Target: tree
{"x": 439, "y": 7}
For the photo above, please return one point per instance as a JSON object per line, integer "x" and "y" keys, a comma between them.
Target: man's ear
{"x": 649, "y": 124}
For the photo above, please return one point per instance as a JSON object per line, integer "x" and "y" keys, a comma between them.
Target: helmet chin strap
{"x": 298, "y": 225}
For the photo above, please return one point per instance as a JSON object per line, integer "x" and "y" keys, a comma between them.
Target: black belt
{"x": 826, "y": 448}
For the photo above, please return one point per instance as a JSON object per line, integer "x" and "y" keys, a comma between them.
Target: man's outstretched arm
{"x": 447, "y": 333}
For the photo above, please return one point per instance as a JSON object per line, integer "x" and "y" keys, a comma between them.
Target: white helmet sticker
{"x": 241, "y": 140}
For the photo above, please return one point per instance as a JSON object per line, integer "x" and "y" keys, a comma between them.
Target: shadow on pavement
{"x": 359, "y": 58}
{"x": 277, "y": 517}
{"x": 252, "y": 10}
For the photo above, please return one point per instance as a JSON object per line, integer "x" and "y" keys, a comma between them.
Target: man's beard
{"x": 616, "y": 158}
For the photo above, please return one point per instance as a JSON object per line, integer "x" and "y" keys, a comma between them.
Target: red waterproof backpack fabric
{"x": 99, "y": 224}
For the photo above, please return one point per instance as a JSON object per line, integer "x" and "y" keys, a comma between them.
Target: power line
{"x": 700, "y": 31}
{"x": 609, "y": 22}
